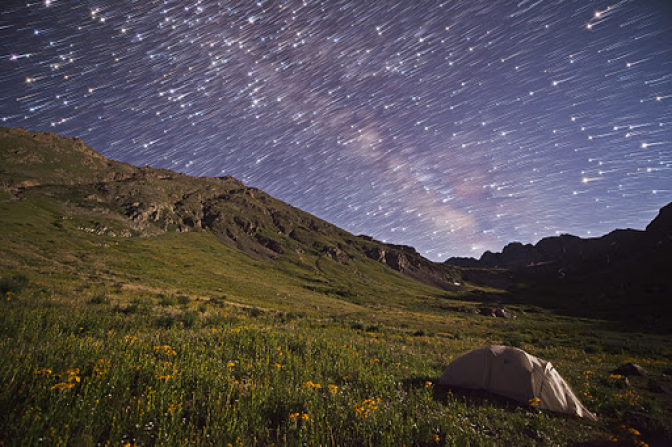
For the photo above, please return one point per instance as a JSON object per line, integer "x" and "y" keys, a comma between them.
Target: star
{"x": 454, "y": 127}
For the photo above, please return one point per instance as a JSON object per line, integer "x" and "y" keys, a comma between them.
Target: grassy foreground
{"x": 87, "y": 365}
{"x": 116, "y": 329}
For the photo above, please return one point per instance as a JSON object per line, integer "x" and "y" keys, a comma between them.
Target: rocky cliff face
{"x": 408, "y": 261}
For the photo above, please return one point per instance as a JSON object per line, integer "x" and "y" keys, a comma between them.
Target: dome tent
{"x": 515, "y": 374}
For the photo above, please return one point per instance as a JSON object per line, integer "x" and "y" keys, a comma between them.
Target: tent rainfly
{"x": 517, "y": 375}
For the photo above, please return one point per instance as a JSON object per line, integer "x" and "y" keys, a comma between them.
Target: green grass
{"x": 82, "y": 370}
{"x": 41, "y": 234}
{"x": 109, "y": 338}
{"x": 84, "y": 364}
{"x": 247, "y": 336}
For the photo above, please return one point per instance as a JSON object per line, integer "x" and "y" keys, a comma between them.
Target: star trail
{"x": 454, "y": 126}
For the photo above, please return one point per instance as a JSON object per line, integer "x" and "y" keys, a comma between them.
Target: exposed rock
{"x": 337, "y": 254}
{"x": 376, "y": 253}
{"x": 496, "y": 312}
{"x": 503, "y": 312}
{"x": 487, "y": 311}
{"x": 271, "y": 244}
{"x": 630, "y": 369}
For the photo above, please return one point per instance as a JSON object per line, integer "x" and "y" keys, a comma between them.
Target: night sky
{"x": 454, "y": 126}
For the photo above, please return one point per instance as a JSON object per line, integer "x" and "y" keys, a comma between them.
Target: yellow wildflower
{"x": 310, "y": 384}
{"x": 534, "y": 401}
{"x": 333, "y": 389}
{"x": 428, "y": 384}
{"x": 633, "y": 432}
{"x": 299, "y": 416}
{"x": 62, "y": 386}
{"x": 366, "y": 407}
{"x": 165, "y": 349}
{"x": 230, "y": 365}
{"x": 436, "y": 438}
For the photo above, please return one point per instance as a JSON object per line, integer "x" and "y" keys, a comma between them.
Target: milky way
{"x": 453, "y": 126}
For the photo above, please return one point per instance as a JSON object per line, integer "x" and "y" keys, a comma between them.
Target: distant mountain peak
{"x": 567, "y": 252}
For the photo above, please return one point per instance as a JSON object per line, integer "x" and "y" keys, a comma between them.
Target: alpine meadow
{"x": 141, "y": 306}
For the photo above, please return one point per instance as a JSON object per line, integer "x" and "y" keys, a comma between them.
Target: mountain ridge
{"x": 572, "y": 252}
{"x": 58, "y": 187}
{"x": 145, "y": 201}
{"x": 621, "y": 276}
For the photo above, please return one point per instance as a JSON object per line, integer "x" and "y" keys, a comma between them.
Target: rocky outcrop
{"x": 396, "y": 259}
{"x": 409, "y": 262}
{"x": 497, "y": 312}
{"x": 337, "y": 254}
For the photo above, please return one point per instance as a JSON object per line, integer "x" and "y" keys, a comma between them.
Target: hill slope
{"x": 87, "y": 214}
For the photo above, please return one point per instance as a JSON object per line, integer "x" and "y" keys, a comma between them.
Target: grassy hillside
{"x": 147, "y": 307}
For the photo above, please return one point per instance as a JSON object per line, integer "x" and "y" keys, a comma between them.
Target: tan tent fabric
{"x": 513, "y": 373}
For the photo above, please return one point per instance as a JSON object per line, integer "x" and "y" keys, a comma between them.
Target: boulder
{"x": 630, "y": 369}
